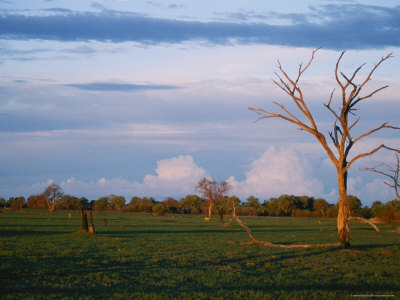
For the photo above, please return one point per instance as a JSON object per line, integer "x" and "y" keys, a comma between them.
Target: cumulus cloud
{"x": 176, "y": 176}
{"x": 346, "y": 26}
{"x": 369, "y": 190}
{"x": 175, "y": 173}
{"x": 278, "y": 172}
{"x": 275, "y": 172}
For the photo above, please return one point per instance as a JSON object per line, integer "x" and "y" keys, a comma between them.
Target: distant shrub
{"x": 332, "y": 211}
{"x": 302, "y": 213}
{"x": 160, "y": 209}
{"x": 366, "y": 212}
{"x": 387, "y": 213}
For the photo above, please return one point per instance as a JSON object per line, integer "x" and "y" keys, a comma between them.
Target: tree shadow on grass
{"x": 9, "y": 233}
{"x": 133, "y": 233}
{"x": 371, "y": 246}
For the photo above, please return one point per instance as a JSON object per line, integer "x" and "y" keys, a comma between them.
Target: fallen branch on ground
{"x": 254, "y": 240}
{"x": 364, "y": 221}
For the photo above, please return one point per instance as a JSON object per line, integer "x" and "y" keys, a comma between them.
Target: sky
{"x": 144, "y": 98}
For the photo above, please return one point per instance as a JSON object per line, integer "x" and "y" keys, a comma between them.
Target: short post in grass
{"x": 84, "y": 220}
{"x": 91, "y": 226}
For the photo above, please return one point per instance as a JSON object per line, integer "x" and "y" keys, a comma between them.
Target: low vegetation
{"x": 284, "y": 205}
{"x": 140, "y": 256}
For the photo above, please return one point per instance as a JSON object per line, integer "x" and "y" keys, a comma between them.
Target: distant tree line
{"x": 284, "y": 205}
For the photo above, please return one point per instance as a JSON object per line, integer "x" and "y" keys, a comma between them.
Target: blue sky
{"x": 143, "y": 98}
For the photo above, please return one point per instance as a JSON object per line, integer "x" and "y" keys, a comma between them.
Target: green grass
{"x": 138, "y": 256}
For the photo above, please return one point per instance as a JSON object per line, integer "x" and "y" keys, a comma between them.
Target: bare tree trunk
{"x": 91, "y": 226}
{"x": 343, "y": 211}
{"x": 51, "y": 207}
{"x": 84, "y": 220}
{"x": 342, "y": 140}
{"x": 210, "y": 205}
{"x": 221, "y": 214}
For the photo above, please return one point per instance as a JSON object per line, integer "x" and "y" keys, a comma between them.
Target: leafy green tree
{"x": 306, "y": 202}
{"x": 320, "y": 206}
{"x": 366, "y": 212}
{"x": 37, "y": 201}
{"x": 160, "y": 209}
{"x": 17, "y": 203}
{"x": 250, "y": 207}
{"x": 3, "y": 202}
{"x": 354, "y": 205}
{"x": 68, "y": 202}
{"x": 192, "y": 204}
{"x": 116, "y": 202}
{"x": 388, "y": 212}
{"x": 272, "y": 207}
{"x": 332, "y": 211}
{"x": 252, "y": 202}
{"x": 394, "y": 203}
{"x": 146, "y": 204}
{"x": 101, "y": 204}
{"x": 172, "y": 204}
{"x": 223, "y": 205}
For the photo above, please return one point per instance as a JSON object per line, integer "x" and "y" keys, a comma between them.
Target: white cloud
{"x": 275, "y": 172}
{"x": 176, "y": 176}
{"x": 278, "y": 172}
{"x": 369, "y": 191}
{"x": 177, "y": 173}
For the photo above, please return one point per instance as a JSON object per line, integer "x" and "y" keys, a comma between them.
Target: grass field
{"x": 177, "y": 256}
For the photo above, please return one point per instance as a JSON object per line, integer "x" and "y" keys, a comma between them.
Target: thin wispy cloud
{"x": 146, "y": 97}
{"x": 334, "y": 26}
{"x": 118, "y": 87}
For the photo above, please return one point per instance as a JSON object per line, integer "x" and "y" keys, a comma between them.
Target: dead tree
{"x": 390, "y": 172}
{"x": 212, "y": 191}
{"x": 341, "y": 136}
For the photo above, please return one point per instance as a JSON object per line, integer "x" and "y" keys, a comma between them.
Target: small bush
{"x": 366, "y": 212}
{"x": 386, "y": 212}
{"x": 160, "y": 209}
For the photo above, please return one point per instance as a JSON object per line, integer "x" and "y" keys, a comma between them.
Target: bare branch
{"x": 349, "y": 81}
{"x": 356, "y": 71}
{"x": 254, "y": 240}
{"x": 351, "y": 126}
{"x": 341, "y": 135}
{"x": 365, "y": 221}
{"x": 369, "y": 154}
{"x": 299, "y": 100}
{"x": 390, "y": 172}
{"x": 267, "y": 114}
{"x": 328, "y": 106}
{"x": 374, "y": 68}
{"x": 384, "y": 125}
{"x": 336, "y": 70}
{"x": 371, "y": 94}
{"x": 285, "y": 110}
